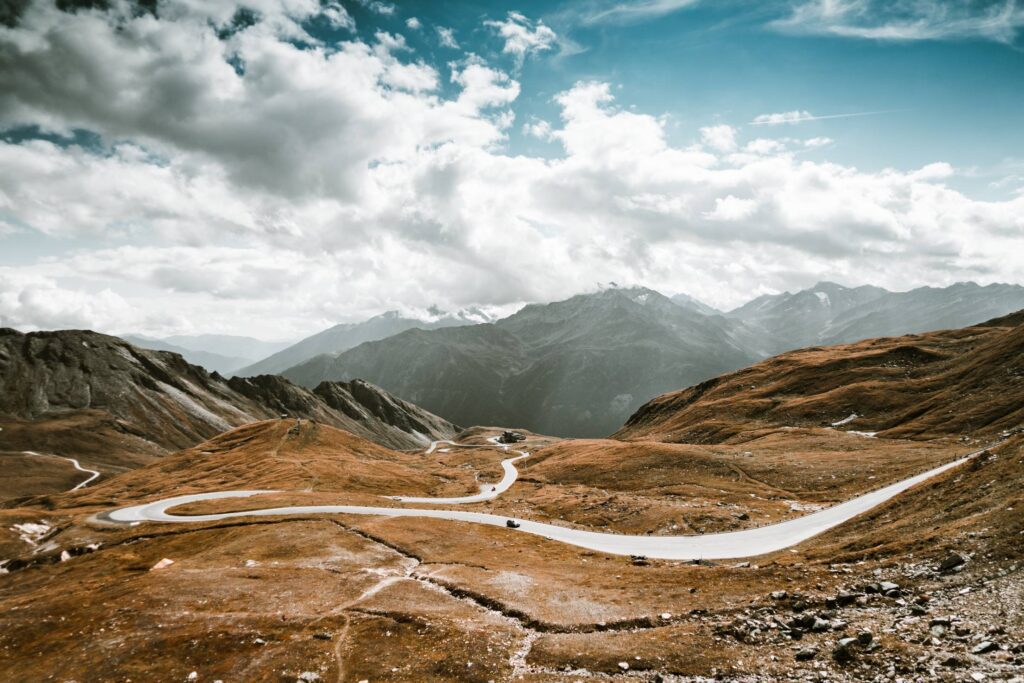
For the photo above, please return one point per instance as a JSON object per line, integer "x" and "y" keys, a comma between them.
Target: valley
{"x": 708, "y": 536}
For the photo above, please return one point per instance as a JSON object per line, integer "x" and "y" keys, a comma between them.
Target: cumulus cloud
{"x": 906, "y": 20}
{"x": 270, "y": 186}
{"x": 539, "y": 129}
{"x": 413, "y": 24}
{"x": 446, "y": 36}
{"x": 721, "y": 138}
{"x": 31, "y": 302}
{"x": 296, "y": 122}
{"x": 379, "y": 7}
{"x": 338, "y": 16}
{"x": 522, "y": 37}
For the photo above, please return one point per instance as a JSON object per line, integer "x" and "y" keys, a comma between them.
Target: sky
{"x": 273, "y": 167}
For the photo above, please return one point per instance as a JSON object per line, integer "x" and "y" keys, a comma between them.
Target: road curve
{"x": 729, "y": 545}
{"x": 487, "y": 491}
{"x": 74, "y": 462}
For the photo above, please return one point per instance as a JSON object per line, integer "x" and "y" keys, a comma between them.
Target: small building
{"x": 511, "y": 437}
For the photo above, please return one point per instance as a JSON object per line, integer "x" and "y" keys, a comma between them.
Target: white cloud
{"x": 379, "y": 7}
{"x": 539, "y": 129}
{"x": 297, "y": 122}
{"x": 522, "y": 36}
{"x": 764, "y": 146}
{"x": 333, "y": 182}
{"x": 413, "y": 24}
{"x": 730, "y": 208}
{"x": 31, "y": 302}
{"x": 338, "y": 16}
{"x": 818, "y": 142}
{"x": 906, "y": 20}
{"x": 795, "y": 116}
{"x": 446, "y": 36}
{"x": 801, "y": 116}
{"x": 632, "y": 10}
{"x": 721, "y": 138}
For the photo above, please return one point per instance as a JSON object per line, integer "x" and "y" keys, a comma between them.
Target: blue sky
{"x": 283, "y": 174}
{"x": 727, "y": 61}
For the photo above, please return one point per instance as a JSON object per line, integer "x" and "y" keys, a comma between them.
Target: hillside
{"x": 576, "y": 367}
{"x": 963, "y": 382}
{"x": 111, "y": 404}
{"x": 353, "y": 597}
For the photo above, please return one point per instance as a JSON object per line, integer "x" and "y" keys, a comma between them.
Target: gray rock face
{"x": 160, "y": 397}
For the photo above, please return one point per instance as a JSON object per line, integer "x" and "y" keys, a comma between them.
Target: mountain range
{"x": 829, "y": 313}
{"x": 580, "y": 367}
{"x": 347, "y": 335}
{"x": 97, "y": 396}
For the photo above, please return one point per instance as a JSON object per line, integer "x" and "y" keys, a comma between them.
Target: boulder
{"x": 806, "y": 653}
{"x": 951, "y": 562}
{"x": 844, "y": 649}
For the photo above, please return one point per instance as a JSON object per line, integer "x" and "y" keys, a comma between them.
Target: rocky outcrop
{"x": 158, "y": 396}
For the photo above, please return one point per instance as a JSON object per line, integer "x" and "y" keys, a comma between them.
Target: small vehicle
{"x": 512, "y": 524}
{"x": 494, "y": 488}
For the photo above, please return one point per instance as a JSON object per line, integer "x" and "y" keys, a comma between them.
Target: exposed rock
{"x": 167, "y": 404}
{"x": 951, "y": 562}
{"x": 820, "y": 625}
{"x": 984, "y": 647}
{"x": 806, "y": 653}
{"x": 844, "y": 649}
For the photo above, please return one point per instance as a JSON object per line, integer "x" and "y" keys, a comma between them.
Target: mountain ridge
{"x": 168, "y": 403}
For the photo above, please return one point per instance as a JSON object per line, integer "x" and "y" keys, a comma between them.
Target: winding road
{"x": 720, "y": 546}
{"x": 487, "y": 491}
{"x": 74, "y": 462}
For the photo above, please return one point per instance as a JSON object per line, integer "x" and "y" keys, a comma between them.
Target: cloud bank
{"x": 254, "y": 179}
